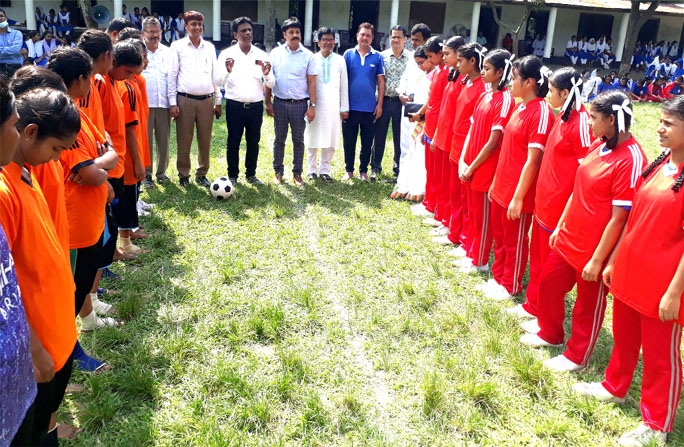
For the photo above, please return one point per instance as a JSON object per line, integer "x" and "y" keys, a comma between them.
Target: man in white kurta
{"x": 332, "y": 98}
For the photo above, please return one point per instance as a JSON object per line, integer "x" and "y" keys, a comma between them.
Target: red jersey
{"x": 434, "y": 104}
{"x": 566, "y": 147}
{"x": 653, "y": 243}
{"x": 528, "y": 127}
{"x": 445, "y": 124}
{"x": 491, "y": 113}
{"x": 605, "y": 178}
{"x": 467, "y": 100}
{"x": 113, "y": 113}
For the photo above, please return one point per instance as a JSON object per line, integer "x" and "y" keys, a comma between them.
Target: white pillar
{"x": 619, "y": 47}
{"x": 475, "y": 23}
{"x": 118, "y": 8}
{"x": 31, "y": 15}
{"x": 216, "y": 20}
{"x": 308, "y": 22}
{"x": 394, "y": 13}
{"x": 550, "y": 29}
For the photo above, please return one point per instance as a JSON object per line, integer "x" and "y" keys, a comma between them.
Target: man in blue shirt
{"x": 10, "y": 47}
{"x": 294, "y": 102}
{"x": 365, "y": 71}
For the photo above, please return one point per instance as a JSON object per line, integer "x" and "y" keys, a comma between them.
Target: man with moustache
{"x": 244, "y": 70}
{"x": 294, "y": 98}
{"x": 365, "y": 71}
{"x": 159, "y": 121}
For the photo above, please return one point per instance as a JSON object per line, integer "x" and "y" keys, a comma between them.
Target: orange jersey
{"x": 129, "y": 97}
{"x": 113, "y": 113}
{"x": 92, "y": 105}
{"x": 143, "y": 116}
{"x": 41, "y": 262}
{"x": 85, "y": 205}
{"x": 50, "y": 177}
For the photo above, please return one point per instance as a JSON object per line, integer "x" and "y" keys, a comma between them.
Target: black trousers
{"x": 243, "y": 118}
{"x": 362, "y": 121}
{"x": 391, "y": 111}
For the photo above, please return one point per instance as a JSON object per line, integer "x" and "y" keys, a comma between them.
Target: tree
{"x": 637, "y": 19}
{"x": 529, "y": 6}
{"x": 269, "y": 27}
{"x": 85, "y": 13}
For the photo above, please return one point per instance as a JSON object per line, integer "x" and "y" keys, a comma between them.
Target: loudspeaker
{"x": 100, "y": 14}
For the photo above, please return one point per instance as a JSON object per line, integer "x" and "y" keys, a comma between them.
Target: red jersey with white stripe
{"x": 434, "y": 104}
{"x": 467, "y": 100}
{"x": 605, "y": 178}
{"x": 445, "y": 124}
{"x": 528, "y": 128}
{"x": 653, "y": 243}
{"x": 566, "y": 147}
{"x": 491, "y": 113}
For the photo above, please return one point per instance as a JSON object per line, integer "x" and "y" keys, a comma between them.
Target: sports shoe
{"x": 312, "y": 177}
{"x": 363, "y": 176}
{"x": 519, "y": 311}
{"x": 431, "y": 222}
{"x": 145, "y": 206}
{"x": 420, "y": 211}
{"x": 530, "y": 326}
{"x": 458, "y": 252}
{"x": 148, "y": 183}
{"x": 347, "y": 176}
{"x": 439, "y": 231}
{"x": 462, "y": 262}
{"x": 536, "y": 341}
{"x": 641, "y": 436}
{"x": 560, "y": 363}
{"x": 184, "y": 182}
{"x": 100, "y": 307}
{"x": 468, "y": 269}
{"x": 491, "y": 282}
{"x": 233, "y": 181}
{"x": 497, "y": 293}
{"x": 373, "y": 176}
{"x": 202, "y": 180}
{"x": 251, "y": 180}
{"x": 442, "y": 240}
{"x": 597, "y": 391}
{"x": 326, "y": 178}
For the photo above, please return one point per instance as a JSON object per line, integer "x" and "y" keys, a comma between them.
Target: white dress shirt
{"x": 246, "y": 81}
{"x": 156, "y": 75}
{"x": 192, "y": 70}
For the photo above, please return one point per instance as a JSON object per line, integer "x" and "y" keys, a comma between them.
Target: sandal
{"x": 121, "y": 255}
{"x": 133, "y": 250}
{"x": 102, "y": 308}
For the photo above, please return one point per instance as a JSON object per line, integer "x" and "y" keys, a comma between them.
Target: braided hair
{"x": 673, "y": 107}
{"x": 454, "y": 43}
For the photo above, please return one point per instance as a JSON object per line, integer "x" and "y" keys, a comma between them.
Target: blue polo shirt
{"x": 363, "y": 73}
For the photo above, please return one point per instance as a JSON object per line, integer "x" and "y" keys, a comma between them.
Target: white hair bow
{"x": 574, "y": 93}
{"x": 545, "y": 72}
{"x": 621, "y": 110}
{"x": 508, "y": 68}
{"x": 481, "y": 54}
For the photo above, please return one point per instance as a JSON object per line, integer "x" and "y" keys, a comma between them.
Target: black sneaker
{"x": 202, "y": 181}
{"x": 373, "y": 176}
{"x": 312, "y": 177}
{"x": 233, "y": 180}
{"x": 254, "y": 180}
{"x": 184, "y": 182}
{"x": 148, "y": 183}
{"x": 326, "y": 178}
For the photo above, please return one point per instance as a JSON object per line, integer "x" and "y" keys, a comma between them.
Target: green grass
{"x": 321, "y": 316}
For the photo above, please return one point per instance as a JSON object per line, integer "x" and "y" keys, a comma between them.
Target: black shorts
{"x": 118, "y": 187}
{"x": 108, "y": 248}
{"x": 87, "y": 263}
{"x": 128, "y": 211}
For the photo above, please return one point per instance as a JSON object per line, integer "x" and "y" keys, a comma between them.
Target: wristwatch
{"x": 312, "y": 104}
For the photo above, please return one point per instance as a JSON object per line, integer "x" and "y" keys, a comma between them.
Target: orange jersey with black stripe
{"x": 113, "y": 114}
{"x": 50, "y": 176}
{"x": 129, "y": 97}
{"x": 143, "y": 116}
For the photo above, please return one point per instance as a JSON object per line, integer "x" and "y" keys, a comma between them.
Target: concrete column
{"x": 394, "y": 13}
{"x": 619, "y": 47}
{"x": 216, "y": 20}
{"x": 475, "y": 23}
{"x": 118, "y": 8}
{"x": 31, "y": 15}
{"x": 308, "y": 22}
{"x": 550, "y": 29}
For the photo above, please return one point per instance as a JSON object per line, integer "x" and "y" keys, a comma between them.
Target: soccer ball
{"x": 222, "y": 188}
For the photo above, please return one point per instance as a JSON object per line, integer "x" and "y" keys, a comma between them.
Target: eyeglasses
{"x": 327, "y": 40}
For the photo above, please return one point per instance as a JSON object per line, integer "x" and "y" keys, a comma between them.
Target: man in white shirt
{"x": 244, "y": 70}
{"x": 159, "y": 122}
{"x": 193, "y": 96}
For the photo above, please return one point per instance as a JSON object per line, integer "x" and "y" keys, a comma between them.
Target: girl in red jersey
{"x": 470, "y": 59}
{"x": 646, "y": 278}
{"x": 566, "y": 147}
{"x": 587, "y": 233}
{"x": 513, "y": 188}
{"x": 433, "y": 51}
{"x": 441, "y": 142}
{"x": 478, "y": 161}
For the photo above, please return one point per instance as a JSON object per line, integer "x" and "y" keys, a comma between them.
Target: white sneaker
{"x": 519, "y": 311}
{"x": 145, "y": 206}
{"x": 643, "y": 435}
{"x": 419, "y": 210}
{"x": 442, "y": 240}
{"x": 497, "y": 293}
{"x": 458, "y": 252}
{"x": 530, "y": 326}
{"x": 141, "y": 211}
{"x": 536, "y": 341}
{"x": 597, "y": 391}
{"x": 431, "y": 222}
{"x": 491, "y": 282}
{"x": 439, "y": 231}
{"x": 462, "y": 262}
{"x": 560, "y": 363}
{"x": 468, "y": 269}
{"x": 100, "y": 307}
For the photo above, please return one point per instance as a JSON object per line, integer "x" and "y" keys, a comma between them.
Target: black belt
{"x": 292, "y": 100}
{"x": 3, "y": 65}
{"x": 391, "y": 98}
{"x": 196, "y": 97}
{"x": 244, "y": 105}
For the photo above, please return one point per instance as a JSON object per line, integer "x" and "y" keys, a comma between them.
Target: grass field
{"x": 322, "y": 316}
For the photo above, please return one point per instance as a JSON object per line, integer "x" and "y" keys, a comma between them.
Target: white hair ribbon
{"x": 481, "y": 54}
{"x": 574, "y": 93}
{"x": 545, "y": 72}
{"x": 621, "y": 109}
{"x": 508, "y": 69}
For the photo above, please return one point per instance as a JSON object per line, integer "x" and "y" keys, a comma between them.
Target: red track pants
{"x": 479, "y": 227}
{"x": 443, "y": 206}
{"x": 428, "y": 200}
{"x": 511, "y": 247}
{"x": 558, "y": 278}
{"x": 661, "y": 385}
{"x": 539, "y": 252}
{"x": 459, "y": 208}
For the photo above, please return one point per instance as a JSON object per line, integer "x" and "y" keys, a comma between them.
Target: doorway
{"x": 361, "y": 11}
{"x": 489, "y": 27}
{"x": 167, "y": 8}
{"x": 649, "y": 32}
{"x": 594, "y": 25}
